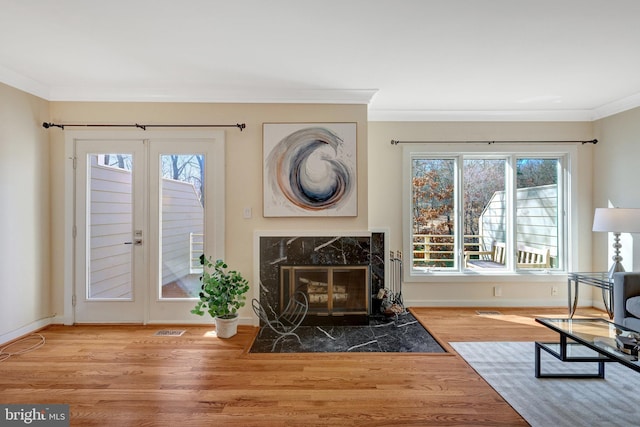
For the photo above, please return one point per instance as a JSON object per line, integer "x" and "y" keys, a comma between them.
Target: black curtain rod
{"x": 396, "y": 142}
{"x": 46, "y": 125}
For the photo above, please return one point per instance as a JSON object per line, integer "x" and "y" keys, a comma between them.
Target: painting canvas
{"x": 310, "y": 169}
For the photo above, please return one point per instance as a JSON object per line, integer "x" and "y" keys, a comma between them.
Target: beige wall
{"x": 243, "y": 166}
{"x": 616, "y": 176}
{"x": 25, "y": 280}
{"x": 32, "y": 190}
{"x": 385, "y": 206}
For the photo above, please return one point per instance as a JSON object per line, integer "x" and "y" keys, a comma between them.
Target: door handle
{"x": 137, "y": 242}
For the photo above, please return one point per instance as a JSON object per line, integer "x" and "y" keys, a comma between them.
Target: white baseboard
{"x": 496, "y": 302}
{"x": 206, "y": 320}
{"x": 25, "y": 330}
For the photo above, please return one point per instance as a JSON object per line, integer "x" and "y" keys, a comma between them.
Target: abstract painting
{"x": 310, "y": 169}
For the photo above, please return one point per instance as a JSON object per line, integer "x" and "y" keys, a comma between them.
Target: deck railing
{"x": 196, "y": 249}
{"x": 437, "y": 250}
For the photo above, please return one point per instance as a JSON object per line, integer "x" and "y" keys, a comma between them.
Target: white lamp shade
{"x": 617, "y": 220}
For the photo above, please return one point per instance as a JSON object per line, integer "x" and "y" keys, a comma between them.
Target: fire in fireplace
{"x": 336, "y": 294}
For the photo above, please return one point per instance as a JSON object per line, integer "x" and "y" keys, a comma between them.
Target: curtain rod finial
{"x": 241, "y": 126}
{"x": 394, "y": 142}
{"x": 48, "y": 125}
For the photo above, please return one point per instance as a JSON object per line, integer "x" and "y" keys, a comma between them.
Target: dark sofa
{"x": 626, "y": 299}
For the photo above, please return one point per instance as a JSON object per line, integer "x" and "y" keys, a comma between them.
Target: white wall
{"x": 25, "y": 279}
{"x": 616, "y": 175}
{"x": 385, "y": 206}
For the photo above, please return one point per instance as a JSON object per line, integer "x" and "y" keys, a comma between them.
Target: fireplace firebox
{"x": 336, "y": 294}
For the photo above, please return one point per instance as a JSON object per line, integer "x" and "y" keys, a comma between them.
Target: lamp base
{"x": 616, "y": 266}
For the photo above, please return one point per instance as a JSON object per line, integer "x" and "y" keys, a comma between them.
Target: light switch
{"x": 247, "y": 213}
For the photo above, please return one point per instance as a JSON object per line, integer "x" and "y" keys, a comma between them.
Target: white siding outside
{"x": 536, "y": 216}
{"x": 110, "y": 226}
{"x": 182, "y": 214}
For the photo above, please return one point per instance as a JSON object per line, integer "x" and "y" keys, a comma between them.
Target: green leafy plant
{"x": 222, "y": 292}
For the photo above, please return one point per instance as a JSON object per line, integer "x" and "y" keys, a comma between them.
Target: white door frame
{"x": 215, "y": 215}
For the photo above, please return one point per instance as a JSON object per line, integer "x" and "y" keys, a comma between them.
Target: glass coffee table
{"x": 587, "y": 340}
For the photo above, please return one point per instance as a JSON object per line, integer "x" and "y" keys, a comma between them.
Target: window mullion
{"x": 511, "y": 189}
{"x": 459, "y": 214}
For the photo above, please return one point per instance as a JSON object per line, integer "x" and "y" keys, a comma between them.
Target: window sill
{"x": 493, "y": 276}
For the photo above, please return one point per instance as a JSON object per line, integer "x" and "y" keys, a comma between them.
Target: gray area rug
{"x": 509, "y": 368}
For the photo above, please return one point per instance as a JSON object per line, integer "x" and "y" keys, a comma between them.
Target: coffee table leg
{"x": 537, "y": 361}
{"x": 538, "y": 364}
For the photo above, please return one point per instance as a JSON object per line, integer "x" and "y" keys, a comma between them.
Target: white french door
{"x": 110, "y": 231}
{"x": 142, "y": 224}
{"x": 186, "y": 219}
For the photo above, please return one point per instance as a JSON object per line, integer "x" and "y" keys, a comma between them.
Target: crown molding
{"x": 479, "y": 115}
{"x": 200, "y": 94}
{"x": 303, "y": 96}
{"x": 615, "y": 107}
{"x": 215, "y": 95}
{"x": 25, "y": 84}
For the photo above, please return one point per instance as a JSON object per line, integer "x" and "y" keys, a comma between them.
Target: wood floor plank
{"x": 123, "y": 375}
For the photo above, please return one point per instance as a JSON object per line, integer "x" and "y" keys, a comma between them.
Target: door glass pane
{"x": 537, "y": 201}
{"x": 109, "y": 227}
{"x": 433, "y": 216}
{"x": 485, "y": 213}
{"x": 181, "y": 224}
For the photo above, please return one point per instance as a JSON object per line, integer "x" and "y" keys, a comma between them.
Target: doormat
{"x": 169, "y": 333}
{"x": 402, "y": 335}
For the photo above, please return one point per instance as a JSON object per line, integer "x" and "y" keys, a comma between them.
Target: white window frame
{"x": 568, "y": 199}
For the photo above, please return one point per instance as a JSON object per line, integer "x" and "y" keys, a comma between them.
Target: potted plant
{"x": 222, "y": 294}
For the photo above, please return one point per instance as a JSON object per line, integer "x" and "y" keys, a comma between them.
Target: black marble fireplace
{"x": 339, "y": 274}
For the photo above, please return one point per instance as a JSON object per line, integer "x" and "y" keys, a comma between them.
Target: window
{"x": 486, "y": 211}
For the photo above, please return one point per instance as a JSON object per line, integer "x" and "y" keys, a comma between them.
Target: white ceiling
{"x": 406, "y": 59}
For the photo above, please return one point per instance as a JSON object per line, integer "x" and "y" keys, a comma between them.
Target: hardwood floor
{"x": 125, "y": 376}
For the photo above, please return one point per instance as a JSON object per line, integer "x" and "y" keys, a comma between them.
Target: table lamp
{"x": 616, "y": 221}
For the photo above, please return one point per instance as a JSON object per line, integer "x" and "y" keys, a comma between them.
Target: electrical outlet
{"x": 497, "y": 291}
{"x": 554, "y": 290}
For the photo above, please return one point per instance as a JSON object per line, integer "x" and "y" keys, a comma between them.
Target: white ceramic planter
{"x": 226, "y": 328}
